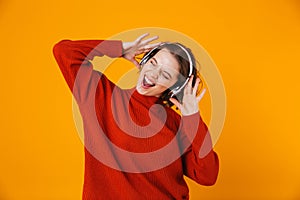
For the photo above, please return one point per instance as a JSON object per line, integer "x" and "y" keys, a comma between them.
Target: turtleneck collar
{"x": 149, "y": 100}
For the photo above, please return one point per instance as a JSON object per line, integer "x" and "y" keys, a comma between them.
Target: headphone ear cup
{"x": 170, "y": 93}
{"x": 145, "y": 59}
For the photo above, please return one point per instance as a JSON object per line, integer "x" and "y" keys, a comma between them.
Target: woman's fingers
{"x": 147, "y": 41}
{"x": 151, "y": 46}
{"x": 195, "y": 88}
{"x": 139, "y": 39}
{"x": 176, "y": 103}
{"x": 135, "y": 63}
{"x": 189, "y": 88}
{"x": 201, "y": 95}
{"x": 142, "y": 45}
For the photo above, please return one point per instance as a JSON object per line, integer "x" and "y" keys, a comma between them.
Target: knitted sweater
{"x": 135, "y": 148}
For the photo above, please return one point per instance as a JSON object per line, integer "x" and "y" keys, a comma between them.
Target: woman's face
{"x": 158, "y": 74}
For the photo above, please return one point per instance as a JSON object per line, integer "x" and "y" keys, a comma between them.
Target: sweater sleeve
{"x": 73, "y": 58}
{"x": 200, "y": 162}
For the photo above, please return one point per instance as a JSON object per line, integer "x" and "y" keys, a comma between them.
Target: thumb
{"x": 136, "y": 63}
{"x": 176, "y": 103}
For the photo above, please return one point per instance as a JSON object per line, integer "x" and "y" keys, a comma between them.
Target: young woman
{"x": 136, "y": 146}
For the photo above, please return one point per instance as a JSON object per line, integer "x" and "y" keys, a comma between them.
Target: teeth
{"x": 148, "y": 81}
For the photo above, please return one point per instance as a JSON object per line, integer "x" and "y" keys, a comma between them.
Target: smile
{"x": 147, "y": 83}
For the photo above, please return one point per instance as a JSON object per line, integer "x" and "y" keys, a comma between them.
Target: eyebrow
{"x": 154, "y": 59}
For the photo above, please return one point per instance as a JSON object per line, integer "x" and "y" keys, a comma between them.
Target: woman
{"x": 136, "y": 146}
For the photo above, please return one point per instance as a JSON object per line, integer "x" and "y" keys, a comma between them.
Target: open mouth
{"x": 147, "y": 83}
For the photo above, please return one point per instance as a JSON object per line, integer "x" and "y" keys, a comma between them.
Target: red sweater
{"x": 134, "y": 148}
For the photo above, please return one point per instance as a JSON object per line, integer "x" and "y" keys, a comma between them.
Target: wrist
{"x": 125, "y": 47}
{"x": 189, "y": 113}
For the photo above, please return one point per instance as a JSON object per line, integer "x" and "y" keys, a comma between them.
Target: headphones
{"x": 177, "y": 88}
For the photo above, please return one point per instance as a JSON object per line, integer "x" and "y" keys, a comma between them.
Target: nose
{"x": 155, "y": 72}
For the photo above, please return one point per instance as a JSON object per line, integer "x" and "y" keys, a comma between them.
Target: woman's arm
{"x": 73, "y": 58}
{"x": 200, "y": 162}
{"x": 138, "y": 46}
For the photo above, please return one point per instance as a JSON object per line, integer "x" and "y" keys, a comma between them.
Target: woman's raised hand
{"x": 138, "y": 46}
{"x": 190, "y": 99}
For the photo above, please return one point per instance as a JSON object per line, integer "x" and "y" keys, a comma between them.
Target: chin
{"x": 145, "y": 92}
{"x": 140, "y": 90}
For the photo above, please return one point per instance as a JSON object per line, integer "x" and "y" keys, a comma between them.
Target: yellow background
{"x": 255, "y": 44}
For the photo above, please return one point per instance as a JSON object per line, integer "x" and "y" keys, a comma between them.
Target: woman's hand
{"x": 190, "y": 101}
{"x": 139, "y": 46}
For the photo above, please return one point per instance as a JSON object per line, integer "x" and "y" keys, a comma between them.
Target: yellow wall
{"x": 255, "y": 44}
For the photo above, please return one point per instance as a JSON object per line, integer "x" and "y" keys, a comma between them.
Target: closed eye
{"x": 167, "y": 75}
{"x": 152, "y": 63}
